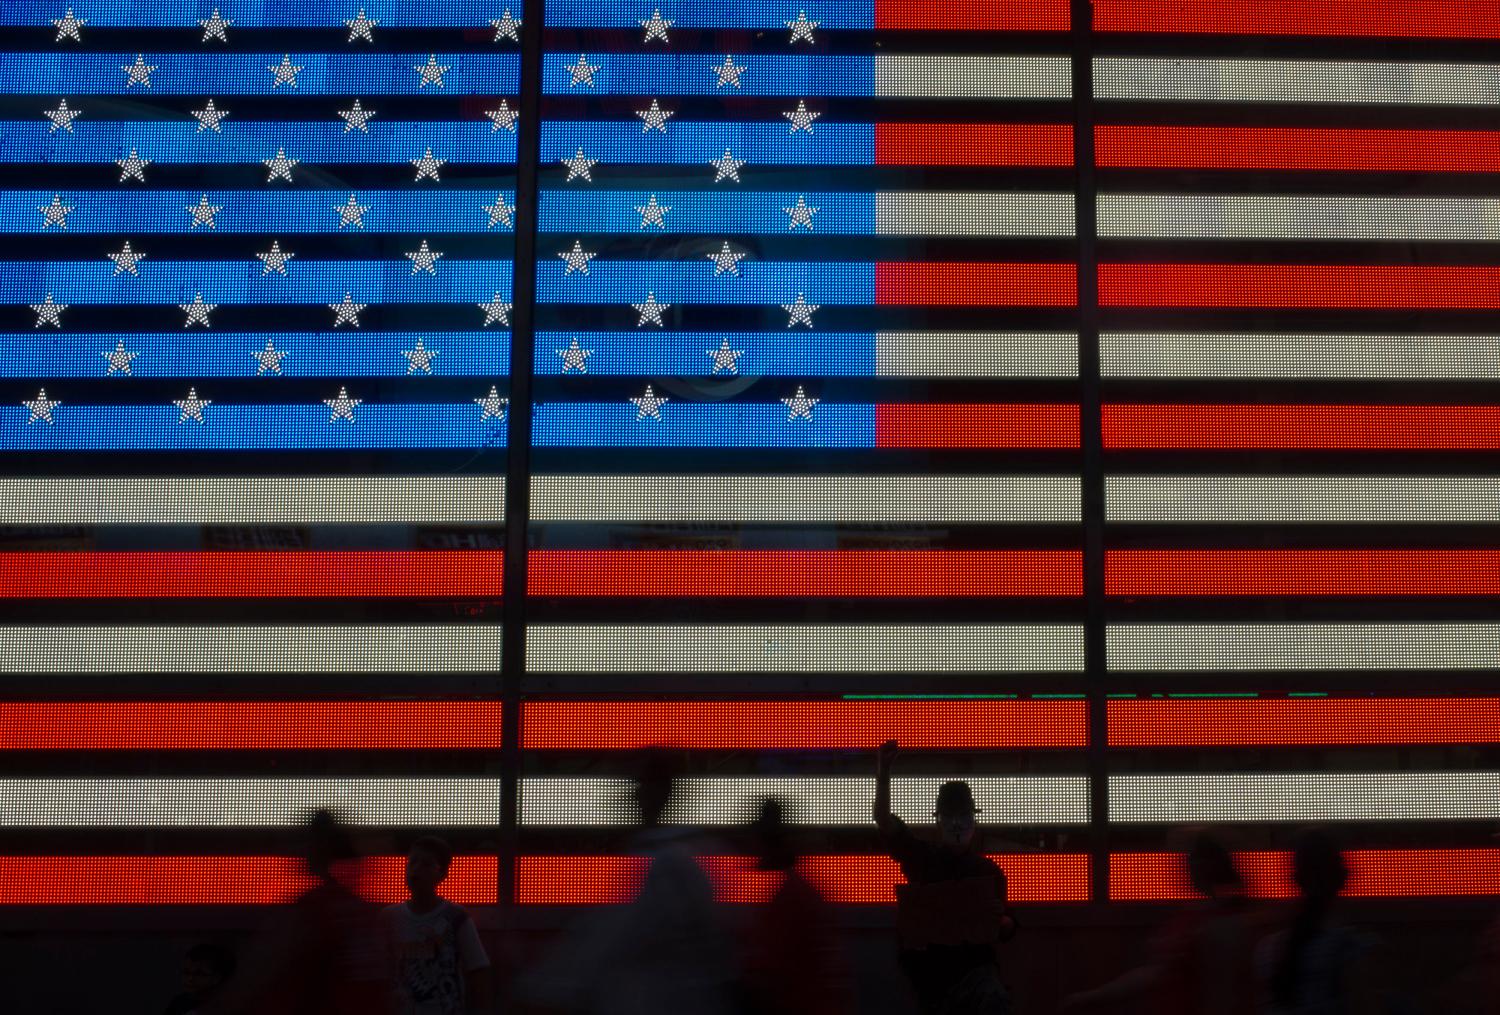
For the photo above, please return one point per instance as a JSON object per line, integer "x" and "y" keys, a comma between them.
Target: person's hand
{"x": 886, "y": 754}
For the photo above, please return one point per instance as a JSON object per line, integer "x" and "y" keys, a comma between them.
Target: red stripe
{"x": 1302, "y": 572}
{"x": 803, "y": 725}
{"x": 1456, "y": 19}
{"x": 973, "y": 15}
{"x": 216, "y": 880}
{"x": 262, "y": 574}
{"x": 976, "y": 284}
{"x": 1299, "y": 722}
{"x": 805, "y": 573}
{"x": 846, "y": 880}
{"x": 976, "y": 426}
{"x": 1303, "y": 427}
{"x": 974, "y": 144}
{"x": 1377, "y": 873}
{"x": 1349, "y": 149}
{"x": 248, "y": 725}
{"x": 1312, "y": 286}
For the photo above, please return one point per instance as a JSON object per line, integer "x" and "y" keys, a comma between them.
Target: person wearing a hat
{"x": 952, "y": 971}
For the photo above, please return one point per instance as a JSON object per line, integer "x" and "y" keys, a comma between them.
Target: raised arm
{"x": 882, "y": 809}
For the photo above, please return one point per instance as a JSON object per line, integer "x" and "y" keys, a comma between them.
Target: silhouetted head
{"x": 325, "y": 843}
{"x": 205, "y": 967}
{"x": 772, "y": 844}
{"x": 1318, "y": 867}
{"x": 955, "y": 814}
{"x": 427, "y": 865}
{"x": 655, "y": 776}
{"x": 1211, "y": 867}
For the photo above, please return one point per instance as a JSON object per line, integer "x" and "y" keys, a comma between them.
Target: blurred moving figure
{"x": 440, "y": 964}
{"x": 205, "y": 968}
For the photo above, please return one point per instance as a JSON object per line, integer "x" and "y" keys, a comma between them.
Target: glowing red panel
{"x": 220, "y": 574}
{"x": 977, "y": 284}
{"x": 976, "y": 426}
{"x": 1454, "y": 19}
{"x": 1302, "y": 572}
{"x": 974, "y": 144}
{"x": 1293, "y": 286}
{"x": 847, "y": 880}
{"x": 1307, "y": 149}
{"x": 803, "y": 573}
{"x": 1373, "y": 873}
{"x": 973, "y": 15}
{"x": 1309, "y": 722}
{"x": 1303, "y": 427}
{"x": 248, "y": 725}
{"x": 214, "y": 880}
{"x": 803, "y": 725}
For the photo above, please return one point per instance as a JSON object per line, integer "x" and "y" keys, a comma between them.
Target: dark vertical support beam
{"x": 1090, "y": 400}
{"x": 518, "y": 442}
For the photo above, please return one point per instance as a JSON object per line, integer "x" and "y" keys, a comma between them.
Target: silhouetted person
{"x": 957, "y": 903}
{"x": 205, "y": 968}
{"x": 440, "y": 964}
{"x": 1202, "y": 962}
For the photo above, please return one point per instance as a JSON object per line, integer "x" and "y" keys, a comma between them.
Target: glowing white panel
{"x": 1250, "y": 499}
{"x": 1173, "y": 79}
{"x": 1257, "y": 647}
{"x": 932, "y": 213}
{"x": 1320, "y": 796}
{"x": 1271, "y": 355}
{"x": 976, "y": 354}
{"x": 902, "y": 75}
{"x": 1299, "y": 217}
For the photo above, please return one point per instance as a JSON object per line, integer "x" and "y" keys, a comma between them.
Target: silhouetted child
{"x": 205, "y": 967}
{"x": 440, "y": 964}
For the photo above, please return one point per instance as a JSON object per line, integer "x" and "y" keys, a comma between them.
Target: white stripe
{"x": 1244, "y": 648}
{"x": 1397, "y": 357}
{"x": 247, "y": 803}
{"x": 936, "y": 500}
{"x": 1171, "y": 79}
{"x": 988, "y": 354}
{"x": 271, "y": 648}
{"x": 1320, "y": 796}
{"x": 810, "y": 648}
{"x": 1299, "y": 217}
{"x": 931, "y": 213}
{"x": 808, "y": 800}
{"x": 1248, "y": 499}
{"x": 251, "y": 500}
{"x": 899, "y": 75}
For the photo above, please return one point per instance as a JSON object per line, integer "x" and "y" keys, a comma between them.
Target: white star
{"x": 575, "y": 357}
{"x": 801, "y": 213}
{"x": 214, "y": 27}
{"x": 208, "y": 117}
{"x": 799, "y": 406}
{"x": 495, "y": 310}
{"x": 192, "y": 406}
{"x": 356, "y": 116}
{"x": 800, "y": 118}
{"x": 62, "y": 117}
{"x": 138, "y": 73}
{"x": 274, "y": 259}
{"x": 648, "y": 406}
{"x": 582, "y": 72}
{"x": 41, "y": 407}
{"x": 197, "y": 311}
{"x": 126, "y": 259}
{"x": 727, "y": 167}
{"x": 656, "y": 26}
{"x": 284, "y": 73}
{"x": 56, "y": 213}
{"x": 578, "y": 259}
{"x": 726, "y": 260}
{"x": 132, "y": 167}
{"x": 419, "y": 358}
{"x": 492, "y": 405}
{"x": 579, "y": 165}
{"x": 801, "y": 28}
{"x": 359, "y": 26}
{"x": 268, "y": 358}
{"x": 500, "y": 212}
{"x": 653, "y": 214}
{"x": 506, "y": 27}
{"x": 650, "y": 310}
{"x": 342, "y": 407}
{"x": 432, "y": 72}
{"x": 504, "y": 117}
{"x": 118, "y": 359}
{"x": 67, "y": 27}
{"x": 725, "y": 358}
{"x": 427, "y": 165}
{"x": 203, "y": 213}
{"x": 279, "y": 166}
{"x": 424, "y": 258}
{"x": 351, "y": 212}
{"x": 728, "y": 72}
{"x": 654, "y": 118}
{"x": 47, "y": 312}
{"x": 801, "y": 311}
{"x": 346, "y": 312}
